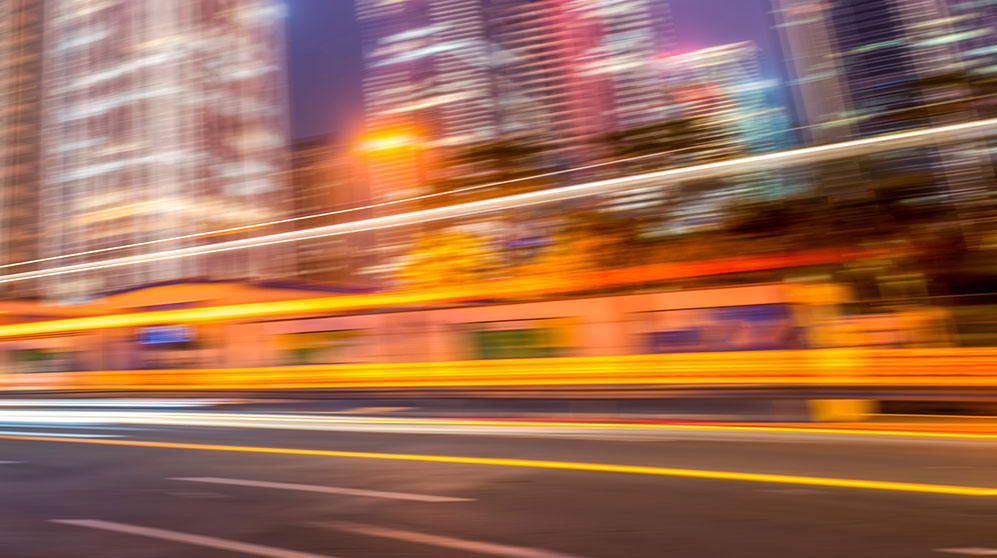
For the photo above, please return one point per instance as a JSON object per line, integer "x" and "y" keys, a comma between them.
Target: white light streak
{"x": 956, "y": 132}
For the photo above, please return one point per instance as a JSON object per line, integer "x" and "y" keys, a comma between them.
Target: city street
{"x": 503, "y": 278}
{"x": 361, "y": 487}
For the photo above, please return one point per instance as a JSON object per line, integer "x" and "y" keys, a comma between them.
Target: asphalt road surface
{"x": 157, "y": 484}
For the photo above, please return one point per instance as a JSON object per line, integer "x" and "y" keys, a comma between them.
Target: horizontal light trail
{"x": 108, "y": 403}
{"x": 840, "y": 369}
{"x": 965, "y": 131}
{"x": 57, "y": 434}
{"x": 325, "y": 489}
{"x": 562, "y": 465}
{"x": 273, "y": 223}
{"x": 324, "y": 422}
{"x": 503, "y": 288}
{"x": 190, "y": 539}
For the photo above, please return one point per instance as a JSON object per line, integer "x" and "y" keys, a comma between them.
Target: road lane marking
{"x": 326, "y": 489}
{"x": 187, "y": 538}
{"x": 10, "y": 462}
{"x": 480, "y": 547}
{"x": 970, "y": 551}
{"x": 540, "y": 464}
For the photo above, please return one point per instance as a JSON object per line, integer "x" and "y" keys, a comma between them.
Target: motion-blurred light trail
{"x": 568, "y": 465}
{"x": 323, "y": 422}
{"x": 489, "y": 289}
{"x": 898, "y": 369}
{"x": 108, "y": 403}
{"x": 965, "y": 131}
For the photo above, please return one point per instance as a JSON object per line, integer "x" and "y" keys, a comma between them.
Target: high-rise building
{"x": 855, "y": 65}
{"x": 326, "y": 188}
{"x": 162, "y": 119}
{"x": 722, "y": 91}
{"x": 578, "y": 69}
{"x": 974, "y": 22}
{"x": 818, "y": 94}
{"x": 444, "y": 76}
{"x": 428, "y": 93}
{"x": 20, "y": 125}
{"x": 456, "y": 73}
{"x": 722, "y": 95}
{"x": 866, "y": 67}
{"x": 428, "y": 88}
{"x": 621, "y": 43}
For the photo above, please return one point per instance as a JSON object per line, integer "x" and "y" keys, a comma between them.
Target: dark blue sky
{"x": 326, "y": 67}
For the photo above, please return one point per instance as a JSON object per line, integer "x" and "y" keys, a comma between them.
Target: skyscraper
{"x": 722, "y": 91}
{"x": 444, "y": 76}
{"x": 326, "y": 188}
{"x": 855, "y": 65}
{"x": 621, "y": 43}
{"x": 428, "y": 87}
{"x": 162, "y": 119}
{"x": 20, "y": 125}
{"x": 455, "y": 73}
{"x": 818, "y": 93}
{"x": 867, "y": 67}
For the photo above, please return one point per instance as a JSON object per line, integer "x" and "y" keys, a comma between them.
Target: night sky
{"x": 326, "y": 67}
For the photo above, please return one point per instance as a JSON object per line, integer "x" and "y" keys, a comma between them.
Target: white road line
{"x": 970, "y": 551}
{"x": 506, "y": 551}
{"x": 58, "y": 434}
{"x": 10, "y": 462}
{"x": 326, "y": 489}
{"x": 186, "y": 538}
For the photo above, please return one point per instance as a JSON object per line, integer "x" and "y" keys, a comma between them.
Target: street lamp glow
{"x": 388, "y": 142}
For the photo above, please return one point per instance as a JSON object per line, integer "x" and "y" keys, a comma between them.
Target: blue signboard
{"x": 165, "y": 335}
{"x": 732, "y": 328}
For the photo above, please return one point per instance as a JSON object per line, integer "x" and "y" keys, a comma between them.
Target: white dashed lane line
{"x": 326, "y": 489}
{"x": 480, "y": 547}
{"x": 187, "y": 538}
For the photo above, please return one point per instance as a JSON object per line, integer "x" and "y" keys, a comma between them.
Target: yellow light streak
{"x": 964, "y": 368}
{"x": 505, "y": 288}
{"x": 563, "y": 465}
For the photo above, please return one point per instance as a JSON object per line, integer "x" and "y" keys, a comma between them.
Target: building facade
{"x": 546, "y": 77}
{"x": 857, "y": 66}
{"x": 867, "y": 67}
{"x": 721, "y": 90}
{"x": 327, "y": 187}
{"x": 20, "y": 138}
{"x": 162, "y": 120}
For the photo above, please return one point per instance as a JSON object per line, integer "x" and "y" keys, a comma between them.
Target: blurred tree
{"x": 447, "y": 257}
{"x": 960, "y": 94}
{"x": 507, "y": 158}
{"x": 588, "y": 241}
{"x": 509, "y": 164}
{"x": 657, "y": 145}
